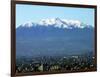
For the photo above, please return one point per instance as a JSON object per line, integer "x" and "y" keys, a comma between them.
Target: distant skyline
{"x": 34, "y": 13}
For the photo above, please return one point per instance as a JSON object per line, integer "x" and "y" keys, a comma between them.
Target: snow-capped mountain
{"x": 54, "y": 37}
{"x": 58, "y": 23}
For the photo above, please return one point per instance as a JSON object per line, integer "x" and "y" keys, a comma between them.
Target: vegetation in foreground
{"x": 55, "y": 63}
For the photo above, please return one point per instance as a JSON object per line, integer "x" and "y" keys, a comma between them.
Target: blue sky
{"x": 34, "y": 13}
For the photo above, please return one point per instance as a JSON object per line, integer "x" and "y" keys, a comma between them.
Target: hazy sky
{"x": 34, "y": 13}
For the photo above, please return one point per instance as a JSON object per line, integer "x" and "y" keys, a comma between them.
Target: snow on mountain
{"x": 28, "y": 24}
{"x": 57, "y": 22}
{"x": 60, "y": 22}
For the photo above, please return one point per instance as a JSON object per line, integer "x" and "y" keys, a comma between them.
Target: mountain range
{"x": 57, "y": 23}
{"x": 54, "y": 37}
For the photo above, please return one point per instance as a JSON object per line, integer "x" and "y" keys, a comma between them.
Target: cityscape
{"x": 49, "y": 64}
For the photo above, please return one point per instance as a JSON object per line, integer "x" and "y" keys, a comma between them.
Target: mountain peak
{"x": 57, "y": 22}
